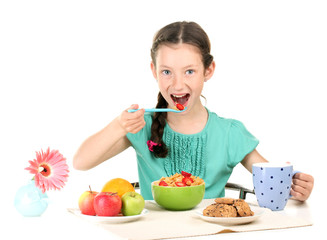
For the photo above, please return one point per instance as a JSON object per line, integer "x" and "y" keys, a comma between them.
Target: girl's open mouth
{"x": 181, "y": 99}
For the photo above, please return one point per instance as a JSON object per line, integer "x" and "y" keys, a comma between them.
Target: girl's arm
{"x": 110, "y": 141}
{"x": 251, "y": 158}
{"x": 302, "y": 184}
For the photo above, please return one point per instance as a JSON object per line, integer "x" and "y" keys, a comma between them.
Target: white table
{"x": 58, "y": 223}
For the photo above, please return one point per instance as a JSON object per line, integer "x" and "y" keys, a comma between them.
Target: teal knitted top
{"x": 210, "y": 154}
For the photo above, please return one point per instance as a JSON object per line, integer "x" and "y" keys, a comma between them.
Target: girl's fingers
{"x": 304, "y": 184}
{"x": 301, "y": 190}
{"x": 304, "y": 177}
{"x": 135, "y": 119}
{"x": 134, "y": 115}
{"x": 138, "y": 114}
{"x": 298, "y": 196}
{"x": 133, "y": 106}
{"x": 299, "y": 193}
{"x": 136, "y": 130}
{"x": 129, "y": 125}
{"x": 135, "y": 127}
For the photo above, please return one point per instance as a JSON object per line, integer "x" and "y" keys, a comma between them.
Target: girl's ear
{"x": 153, "y": 69}
{"x": 209, "y": 71}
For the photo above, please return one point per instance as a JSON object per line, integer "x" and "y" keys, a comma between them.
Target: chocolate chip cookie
{"x": 225, "y": 200}
{"x": 228, "y": 207}
{"x": 243, "y": 209}
{"x": 220, "y": 210}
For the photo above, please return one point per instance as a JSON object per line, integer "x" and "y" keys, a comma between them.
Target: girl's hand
{"x": 132, "y": 122}
{"x": 302, "y": 186}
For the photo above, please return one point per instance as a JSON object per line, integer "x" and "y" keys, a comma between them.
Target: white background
{"x": 67, "y": 68}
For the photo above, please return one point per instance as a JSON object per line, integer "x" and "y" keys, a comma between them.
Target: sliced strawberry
{"x": 163, "y": 183}
{"x": 186, "y": 174}
{"x": 180, "y": 184}
{"x": 180, "y": 106}
{"x": 188, "y": 181}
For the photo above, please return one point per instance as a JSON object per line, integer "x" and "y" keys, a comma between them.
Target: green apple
{"x": 133, "y": 203}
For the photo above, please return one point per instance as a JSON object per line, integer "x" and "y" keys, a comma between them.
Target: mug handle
{"x": 293, "y": 173}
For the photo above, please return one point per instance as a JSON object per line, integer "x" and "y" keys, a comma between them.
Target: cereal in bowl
{"x": 182, "y": 179}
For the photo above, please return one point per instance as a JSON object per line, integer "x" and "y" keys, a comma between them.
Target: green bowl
{"x": 177, "y": 198}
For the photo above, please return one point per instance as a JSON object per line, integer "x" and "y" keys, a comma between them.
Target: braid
{"x": 157, "y": 129}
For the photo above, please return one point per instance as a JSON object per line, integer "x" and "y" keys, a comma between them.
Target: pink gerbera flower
{"x": 50, "y": 169}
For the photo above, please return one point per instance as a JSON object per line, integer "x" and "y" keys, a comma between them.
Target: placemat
{"x": 160, "y": 223}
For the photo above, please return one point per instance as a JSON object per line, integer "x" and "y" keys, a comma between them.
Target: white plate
{"x": 116, "y": 219}
{"x": 231, "y": 220}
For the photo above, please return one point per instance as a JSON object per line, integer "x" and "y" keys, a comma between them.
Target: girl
{"x": 196, "y": 140}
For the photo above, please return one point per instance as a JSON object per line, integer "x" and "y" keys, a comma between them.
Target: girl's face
{"x": 180, "y": 74}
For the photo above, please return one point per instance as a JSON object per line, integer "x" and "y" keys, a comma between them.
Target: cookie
{"x": 228, "y": 207}
{"x": 243, "y": 209}
{"x": 224, "y": 210}
{"x": 209, "y": 211}
{"x": 220, "y": 210}
{"x": 224, "y": 200}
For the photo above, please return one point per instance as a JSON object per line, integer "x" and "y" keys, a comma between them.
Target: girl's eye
{"x": 189, "y": 72}
{"x": 165, "y": 72}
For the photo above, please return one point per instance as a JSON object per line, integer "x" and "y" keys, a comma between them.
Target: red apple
{"x": 85, "y": 202}
{"x": 107, "y": 204}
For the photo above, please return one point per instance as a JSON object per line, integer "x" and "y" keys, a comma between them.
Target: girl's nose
{"x": 178, "y": 82}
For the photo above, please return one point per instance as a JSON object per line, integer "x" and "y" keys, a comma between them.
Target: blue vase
{"x": 30, "y": 201}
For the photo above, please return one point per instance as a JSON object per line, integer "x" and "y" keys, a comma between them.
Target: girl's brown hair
{"x": 178, "y": 32}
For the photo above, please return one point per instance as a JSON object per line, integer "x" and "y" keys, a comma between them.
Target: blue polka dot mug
{"x": 272, "y": 184}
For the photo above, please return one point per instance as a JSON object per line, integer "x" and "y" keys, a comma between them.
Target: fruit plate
{"x": 116, "y": 219}
{"x": 258, "y": 212}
